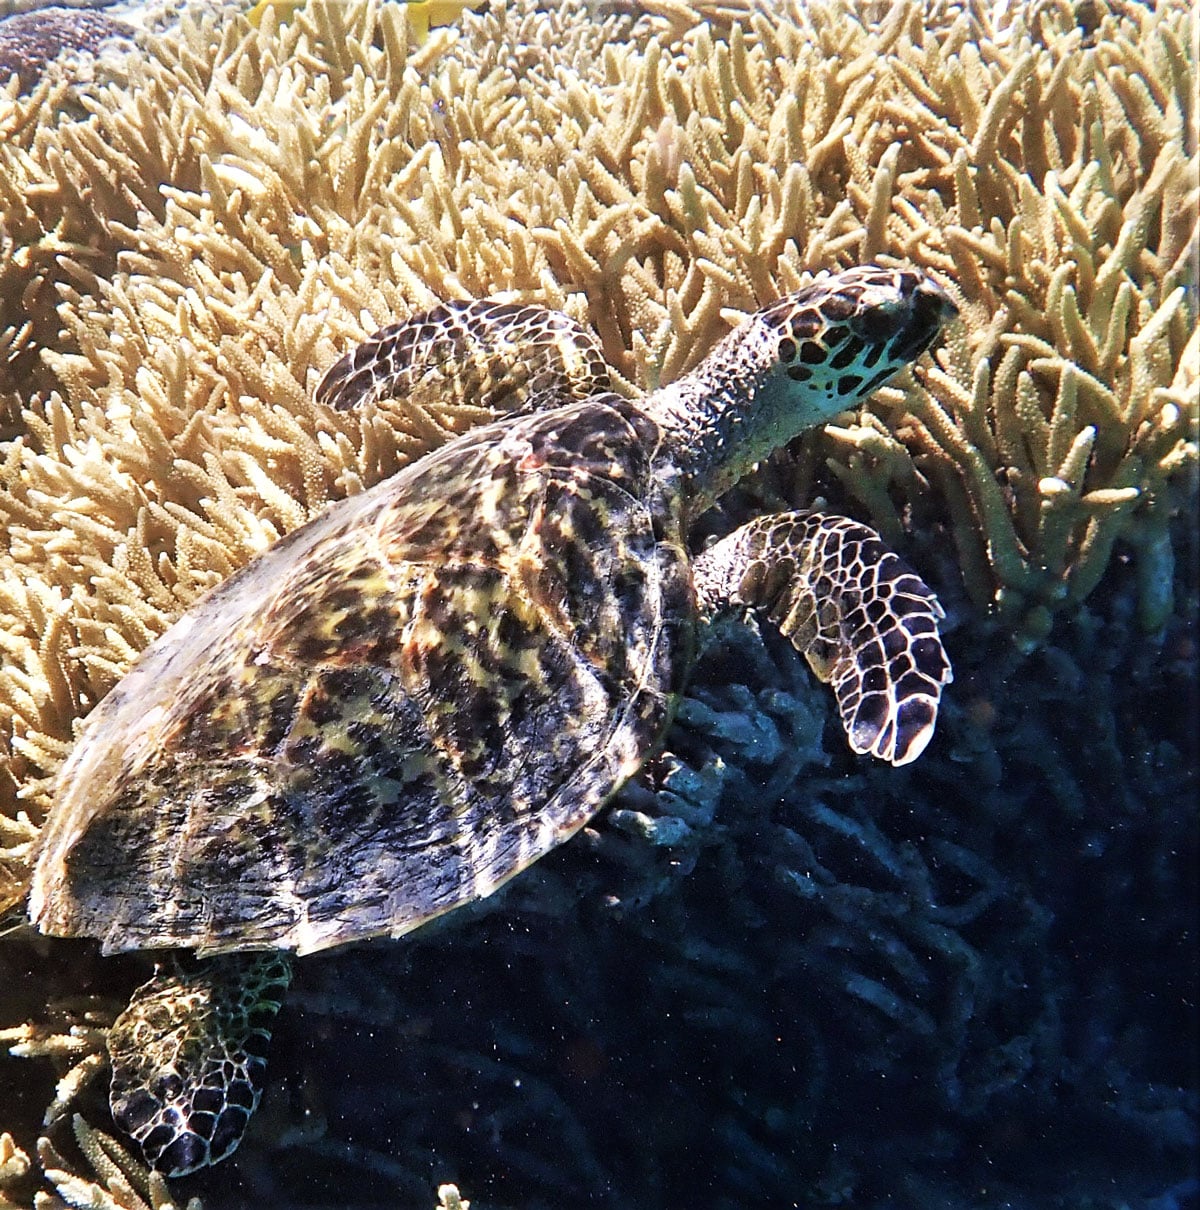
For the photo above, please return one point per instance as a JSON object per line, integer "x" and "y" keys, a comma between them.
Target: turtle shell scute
{"x": 392, "y": 711}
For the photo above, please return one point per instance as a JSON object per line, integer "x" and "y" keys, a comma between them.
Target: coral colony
{"x": 767, "y": 971}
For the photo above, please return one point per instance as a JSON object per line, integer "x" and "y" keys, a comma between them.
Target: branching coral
{"x": 269, "y": 196}
{"x": 178, "y": 264}
{"x": 184, "y": 248}
{"x": 1067, "y": 416}
{"x": 123, "y": 1182}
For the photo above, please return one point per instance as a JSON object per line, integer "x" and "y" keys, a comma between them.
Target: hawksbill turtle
{"x": 409, "y": 699}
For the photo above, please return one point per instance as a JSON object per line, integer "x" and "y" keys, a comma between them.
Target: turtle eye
{"x": 879, "y": 324}
{"x": 838, "y": 308}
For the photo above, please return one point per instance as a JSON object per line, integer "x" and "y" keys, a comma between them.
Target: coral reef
{"x": 175, "y": 270}
{"x": 122, "y": 1182}
{"x": 188, "y": 242}
{"x": 29, "y": 41}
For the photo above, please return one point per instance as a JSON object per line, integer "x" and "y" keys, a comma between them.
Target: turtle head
{"x": 796, "y": 363}
{"x": 846, "y": 334}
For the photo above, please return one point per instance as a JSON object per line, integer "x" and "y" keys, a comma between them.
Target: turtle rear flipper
{"x": 189, "y": 1056}
{"x": 866, "y": 623}
{"x": 503, "y": 357}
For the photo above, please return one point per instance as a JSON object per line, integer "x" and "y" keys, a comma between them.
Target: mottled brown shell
{"x": 395, "y": 709}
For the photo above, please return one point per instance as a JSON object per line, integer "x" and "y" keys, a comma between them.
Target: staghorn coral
{"x": 184, "y": 248}
{"x": 124, "y": 1183}
{"x": 176, "y": 269}
{"x": 1067, "y": 419}
{"x": 171, "y": 286}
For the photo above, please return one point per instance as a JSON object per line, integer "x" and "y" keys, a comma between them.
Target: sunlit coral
{"x": 185, "y": 248}
{"x": 179, "y": 264}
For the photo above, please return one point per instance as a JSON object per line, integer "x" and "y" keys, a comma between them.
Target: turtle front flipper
{"x": 866, "y": 623}
{"x": 189, "y": 1056}
{"x": 504, "y": 357}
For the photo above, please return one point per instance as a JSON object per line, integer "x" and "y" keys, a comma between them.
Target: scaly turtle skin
{"x": 414, "y": 696}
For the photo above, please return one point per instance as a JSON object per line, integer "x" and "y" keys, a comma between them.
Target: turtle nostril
{"x": 933, "y": 307}
{"x": 930, "y": 309}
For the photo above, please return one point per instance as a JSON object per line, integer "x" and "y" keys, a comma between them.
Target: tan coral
{"x": 123, "y": 1182}
{"x": 182, "y": 252}
{"x": 1064, "y": 417}
{"x": 179, "y": 264}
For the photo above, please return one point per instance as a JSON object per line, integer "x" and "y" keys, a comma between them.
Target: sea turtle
{"x": 414, "y": 696}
